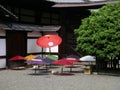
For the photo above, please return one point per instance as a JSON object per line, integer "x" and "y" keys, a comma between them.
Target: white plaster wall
{"x": 2, "y": 49}
{"x": 53, "y": 49}
{"x": 32, "y": 46}
{"x": 2, "y": 63}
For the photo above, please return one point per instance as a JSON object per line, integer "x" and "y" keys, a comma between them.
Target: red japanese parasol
{"x": 72, "y": 60}
{"x": 48, "y": 41}
{"x": 17, "y": 58}
{"x": 62, "y": 62}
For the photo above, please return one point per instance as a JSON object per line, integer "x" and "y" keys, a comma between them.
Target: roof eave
{"x": 63, "y": 5}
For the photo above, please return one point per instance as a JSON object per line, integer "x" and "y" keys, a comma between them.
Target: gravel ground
{"x": 27, "y": 80}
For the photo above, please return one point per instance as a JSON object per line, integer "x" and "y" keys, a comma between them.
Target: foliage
{"x": 99, "y": 34}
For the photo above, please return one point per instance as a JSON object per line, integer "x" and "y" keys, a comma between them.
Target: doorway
{"x": 16, "y": 44}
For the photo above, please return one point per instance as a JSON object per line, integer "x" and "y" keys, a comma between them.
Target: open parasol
{"x": 48, "y": 41}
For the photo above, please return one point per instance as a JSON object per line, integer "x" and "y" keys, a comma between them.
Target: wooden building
{"x": 23, "y": 21}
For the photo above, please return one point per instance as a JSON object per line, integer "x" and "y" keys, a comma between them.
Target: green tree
{"x": 99, "y": 34}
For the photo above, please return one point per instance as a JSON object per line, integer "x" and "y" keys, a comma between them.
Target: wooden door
{"x": 15, "y": 45}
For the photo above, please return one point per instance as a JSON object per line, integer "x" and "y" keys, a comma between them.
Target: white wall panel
{"x": 53, "y": 49}
{"x": 32, "y": 46}
{"x": 2, "y": 47}
{"x": 2, "y": 63}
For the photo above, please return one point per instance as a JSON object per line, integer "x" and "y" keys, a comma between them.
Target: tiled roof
{"x": 80, "y": 3}
{"x": 27, "y": 27}
{"x": 67, "y": 1}
{"x": 77, "y": 1}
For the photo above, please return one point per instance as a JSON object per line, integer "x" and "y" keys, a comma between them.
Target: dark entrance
{"x": 16, "y": 44}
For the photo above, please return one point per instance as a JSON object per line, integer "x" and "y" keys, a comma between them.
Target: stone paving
{"x": 28, "y": 80}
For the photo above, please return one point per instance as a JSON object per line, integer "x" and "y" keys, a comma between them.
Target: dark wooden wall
{"x": 70, "y": 19}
